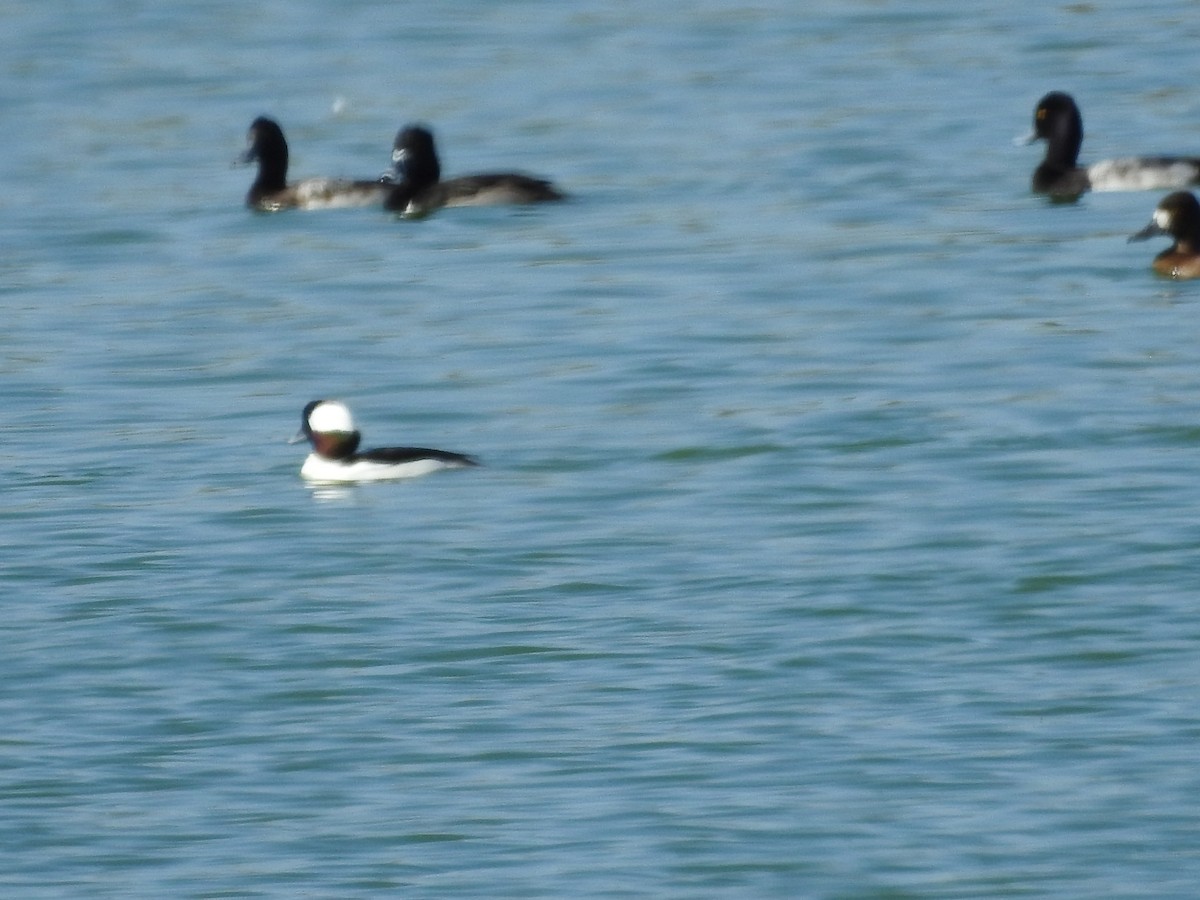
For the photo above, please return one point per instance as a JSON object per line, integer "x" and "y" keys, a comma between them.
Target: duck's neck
{"x": 272, "y": 174}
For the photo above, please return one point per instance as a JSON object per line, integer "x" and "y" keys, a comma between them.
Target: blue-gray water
{"x": 838, "y": 531}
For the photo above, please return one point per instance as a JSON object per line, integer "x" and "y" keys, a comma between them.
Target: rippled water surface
{"x": 838, "y": 525}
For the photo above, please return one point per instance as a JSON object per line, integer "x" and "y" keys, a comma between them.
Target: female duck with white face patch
{"x": 335, "y": 459}
{"x": 419, "y": 188}
{"x": 1177, "y": 216}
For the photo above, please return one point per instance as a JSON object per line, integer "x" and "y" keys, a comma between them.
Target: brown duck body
{"x": 1176, "y": 264}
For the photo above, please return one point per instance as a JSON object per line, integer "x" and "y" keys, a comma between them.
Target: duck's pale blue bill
{"x": 299, "y": 436}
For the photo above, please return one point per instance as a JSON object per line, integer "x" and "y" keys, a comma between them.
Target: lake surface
{"x": 838, "y": 530}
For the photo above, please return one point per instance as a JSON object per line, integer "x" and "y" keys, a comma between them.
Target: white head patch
{"x": 1162, "y": 219}
{"x": 331, "y": 416}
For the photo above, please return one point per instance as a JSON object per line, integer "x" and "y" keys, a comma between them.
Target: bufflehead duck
{"x": 1178, "y": 216}
{"x": 327, "y": 425}
{"x": 418, "y": 188}
{"x": 1057, "y": 121}
{"x": 271, "y": 192}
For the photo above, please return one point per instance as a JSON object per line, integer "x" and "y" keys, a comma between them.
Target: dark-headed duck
{"x": 271, "y": 192}
{"x": 418, "y": 188}
{"x": 1057, "y": 121}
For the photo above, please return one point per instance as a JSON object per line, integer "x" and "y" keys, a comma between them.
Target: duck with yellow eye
{"x": 1058, "y": 122}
